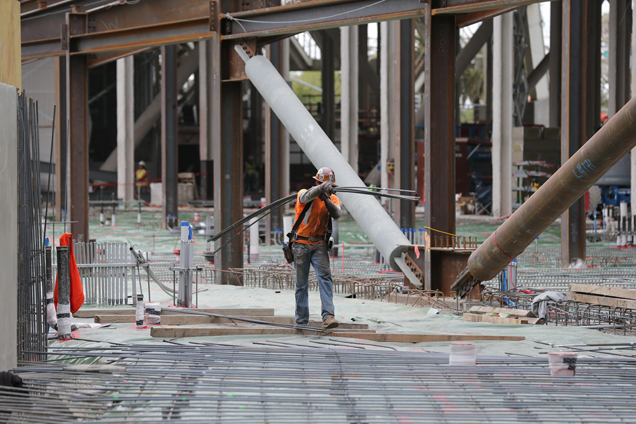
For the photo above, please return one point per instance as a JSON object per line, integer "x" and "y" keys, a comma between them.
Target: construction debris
{"x": 501, "y": 315}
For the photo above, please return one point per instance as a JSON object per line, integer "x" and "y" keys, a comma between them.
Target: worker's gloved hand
{"x": 9, "y": 379}
{"x": 326, "y": 187}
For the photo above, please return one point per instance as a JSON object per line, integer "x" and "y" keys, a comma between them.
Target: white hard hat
{"x": 142, "y": 163}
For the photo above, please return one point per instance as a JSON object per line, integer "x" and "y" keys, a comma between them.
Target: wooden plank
{"x": 604, "y": 291}
{"x": 238, "y": 312}
{"x": 183, "y": 319}
{"x": 509, "y": 311}
{"x": 600, "y": 300}
{"x": 422, "y": 338}
{"x": 500, "y": 320}
{"x": 168, "y": 331}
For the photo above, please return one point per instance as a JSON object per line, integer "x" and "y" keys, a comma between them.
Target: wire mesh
{"x": 212, "y": 383}
{"x": 31, "y": 262}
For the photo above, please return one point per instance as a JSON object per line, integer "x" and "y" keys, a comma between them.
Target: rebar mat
{"x": 215, "y": 383}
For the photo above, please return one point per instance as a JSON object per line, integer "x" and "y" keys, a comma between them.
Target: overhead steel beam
{"x": 452, "y": 7}
{"x": 538, "y": 72}
{"x": 477, "y": 41}
{"x": 112, "y": 26}
{"x": 466, "y": 19}
{"x": 316, "y": 15}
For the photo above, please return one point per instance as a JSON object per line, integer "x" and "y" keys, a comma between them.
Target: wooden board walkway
{"x": 183, "y": 319}
{"x": 167, "y": 331}
{"x": 238, "y": 312}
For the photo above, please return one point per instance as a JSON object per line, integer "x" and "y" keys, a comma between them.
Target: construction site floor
{"x": 380, "y": 316}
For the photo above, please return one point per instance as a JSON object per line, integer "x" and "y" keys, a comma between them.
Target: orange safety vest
{"x": 141, "y": 178}
{"x": 316, "y": 218}
{"x": 77, "y": 292}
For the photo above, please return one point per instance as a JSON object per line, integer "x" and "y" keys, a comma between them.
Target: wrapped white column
{"x": 51, "y": 315}
{"x": 139, "y": 312}
{"x": 320, "y": 150}
{"x": 254, "y": 239}
{"x": 186, "y": 260}
{"x": 63, "y": 294}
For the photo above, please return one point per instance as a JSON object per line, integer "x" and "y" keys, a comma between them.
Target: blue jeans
{"x": 318, "y": 256}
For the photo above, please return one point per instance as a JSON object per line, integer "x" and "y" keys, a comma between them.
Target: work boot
{"x": 330, "y": 322}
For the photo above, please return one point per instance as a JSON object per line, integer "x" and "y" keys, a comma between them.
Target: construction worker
{"x": 310, "y": 246}
{"x": 141, "y": 176}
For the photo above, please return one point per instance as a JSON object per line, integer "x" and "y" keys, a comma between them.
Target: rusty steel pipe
{"x": 565, "y": 187}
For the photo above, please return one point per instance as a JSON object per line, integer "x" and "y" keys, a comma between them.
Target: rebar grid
{"x": 31, "y": 264}
{"x": 550, "y": 257}
{"x": 571, "y": 313}
{"x": 209, "y": 383}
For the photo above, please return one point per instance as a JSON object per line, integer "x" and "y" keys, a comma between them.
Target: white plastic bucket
{"x": 562, "y": 364}
{"x": 153, "y": 313}
{"x": 462, "y": 353}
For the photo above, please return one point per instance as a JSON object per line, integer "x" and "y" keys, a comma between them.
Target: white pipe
{"x": 366, "y": 210}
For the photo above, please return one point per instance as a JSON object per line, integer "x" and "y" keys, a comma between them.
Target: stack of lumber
{"x": 501, "y": 315}
{"x": 602, "y": 295}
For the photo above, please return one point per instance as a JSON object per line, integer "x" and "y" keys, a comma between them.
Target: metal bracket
{"x": 64, "y": 37}
{"x": 92, "y": 25}
{"x": 414, "y": 268}
{"x": 213, "y": 15}
{"x": 401, "y": 262}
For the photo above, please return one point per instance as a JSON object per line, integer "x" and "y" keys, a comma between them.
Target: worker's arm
{"x": 314, "y": 192}
{"x": 332, "y": 207}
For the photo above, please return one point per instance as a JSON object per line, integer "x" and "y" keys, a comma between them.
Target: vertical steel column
{"x": 594, "y": 29}
{"x": 228, "y": 183}
{"x": 575, "y": 114}
{"x": 556, "y": 28}
{"x": 276, "y": 129}
{"x": 439, "y": 122}
{"x": 489, "y": 81}
{"x": 169, "y": 135}
{"x": 77, "y": 113}
{"x": 407, "y": 122}
{"x": 210, "y": 76}
{"x": 620, "y": 32}
{"x": 363, "y": 63}
{"x": 125, "y": 128}
{"x": 328, "y": 121}
{"x": 61, "y": 136}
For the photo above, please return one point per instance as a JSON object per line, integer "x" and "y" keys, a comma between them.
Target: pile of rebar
{"x": 31, "y": 265}
{"x": 349, "y": 383}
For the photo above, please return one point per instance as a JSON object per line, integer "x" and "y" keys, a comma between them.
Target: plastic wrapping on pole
{"x": 321, "y": 151}
{"x": 565, "y": 187}
{"x": 186, "y": 261}
{"x": 51, "y": 315}
{"x": 63, "y": 293}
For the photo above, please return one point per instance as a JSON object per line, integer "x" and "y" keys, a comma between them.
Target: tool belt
{"x": 310, "y": 239}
